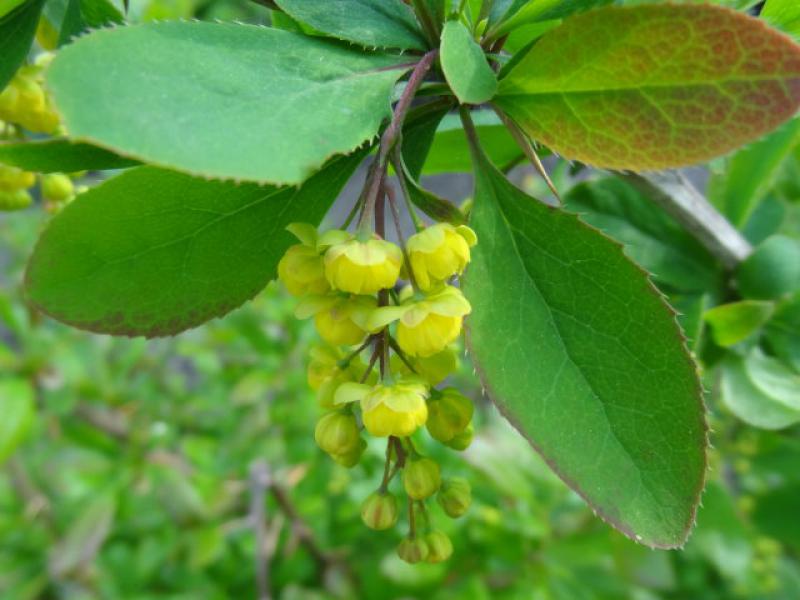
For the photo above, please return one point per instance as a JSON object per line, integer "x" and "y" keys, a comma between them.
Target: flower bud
{"x": 57, "y": 187}
{"x": 421, "y": 478}
{"x": 455, "y": 496}
{"x": 340, "y": 320}
{"x": 350, "y": 459}
{"x": 462, "y": 440}
{"x": 449, "y": 413}
{"x": 337, "y": 433}
{"x": 363, "y": 267}
{"x": 439, "y": 252}
{"x": 379, "y": 510}
{"x": 440, "y": 548}
{"x": 302, "y": 271}
{"x": 413, "y": 550}
{"x": 16, "y": 200}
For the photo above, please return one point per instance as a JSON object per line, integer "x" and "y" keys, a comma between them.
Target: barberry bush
{"x": 234, "y": 141}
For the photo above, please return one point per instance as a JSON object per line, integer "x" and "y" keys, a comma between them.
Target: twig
{"x": 525, "y": 145}
{"x": 260, "y": 481}
{"x": 392, "y": 134}
{"x": 680, "y": 199}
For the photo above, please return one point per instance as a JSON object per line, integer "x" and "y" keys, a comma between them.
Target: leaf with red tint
{"x": 653, "y": 87}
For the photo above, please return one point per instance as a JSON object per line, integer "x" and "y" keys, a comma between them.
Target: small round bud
{"x": 350, "y": 459}
{"x": 16, "y": 200}
{"x": 379, "y": 510}
{"x": 57, "y": 187}
{"x": 302, "y": 271}
{"x": 337, "y": 433}
{"x": 439, "y": 252}
{"x": 440, "y": 548}
{"x": 449, "y": 413}
{"x": 421, "y": 478}
{"x": 413, "y": 550}
{"x": 462, "y": 441}
{"x": 455, "y": 496}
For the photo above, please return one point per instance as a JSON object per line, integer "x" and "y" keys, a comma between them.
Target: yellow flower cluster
{"x": 350, "y": 285}
{"x": 25, "y": 102}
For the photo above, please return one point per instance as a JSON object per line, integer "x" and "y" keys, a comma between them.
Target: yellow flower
{"x": 363, "y": 267}
{"x": 302, "y": 268}
{"x": 439, "y": 252}
{"x": 340, "y": 320}
{"x": 425, "y": 327}
{"x": 13, "y": 179}
{"x": 398, "y": 409}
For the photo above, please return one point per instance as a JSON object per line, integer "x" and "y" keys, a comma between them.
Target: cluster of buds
{"x": 24, "y": 101}
{"x": 350, "y": 285}
{"x": 57, "y": 189}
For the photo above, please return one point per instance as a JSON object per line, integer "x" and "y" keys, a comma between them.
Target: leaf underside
{"x": 220, "y": 100}
{"x": 154, "y": 252}
{"x": 582, "y": 354}
{"x": 654, "y": 86}
{"x": 52, "y": 155}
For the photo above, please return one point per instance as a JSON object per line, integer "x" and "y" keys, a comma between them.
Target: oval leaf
{"x": 17, "y": 29}
{"x": 371, "y": 23}
{"x": 222, "y": 100}
{"x": 464, "y": 64}
{"x": 18, "y": 409}
{"x": 154, "y": 252}
{"x": 655, "y": 86}
{"x": 582, "y": 354}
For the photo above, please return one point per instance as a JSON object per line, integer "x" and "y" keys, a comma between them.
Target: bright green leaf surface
{"x": 774, "y": 379}
{"x": 371, "y": 23}
{"x": 48, "y": 156}
{"x": 654, "y": 86}
{"x": 585, "y": 358}
{"x": 749, "y": 401}
{"x": 750, "y": 172}
{"x": 651, "y": 237}
{"x": 449, "y": 152}
{"x": 18, "y": 410}
{"x": 464, "y": 64}
{"x": 221, "y": 100}
{"x": 154, "y": 252}
{"x": 735, "y": 322}
{"x": 17, "y": 29}
{"x": 784, "y": 14}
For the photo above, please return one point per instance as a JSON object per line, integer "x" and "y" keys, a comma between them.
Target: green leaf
{"x": 60, "y": 155}
{"x": 82, "y": 15}
{"x": 585, "y": 358}
{"x": 773, "y": 514}
{"x": 432, "y": 205}
{"x": 449, "y": 152}
{"x": 783, "y": 333}
{"x": 370, "y": 23}
{"x": 750, "y": 173}
{"x": 222, "y": 100}
{"x": 520, "y": 13}
{"x": 653, "y": 86}
{"x": 465, "y": 67}
{"x": 651, "y": 237}
{"x": 85, "y": 536}
{"x": 784, "y": 14}
{"x": 735, "y": 322}
{"x": 154, "y": 252}
{"x": 751, "y": 402}
{"x": 19, "y": 411}
{"x": 419, "y": 131}
{"x": 17, "y": 29}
